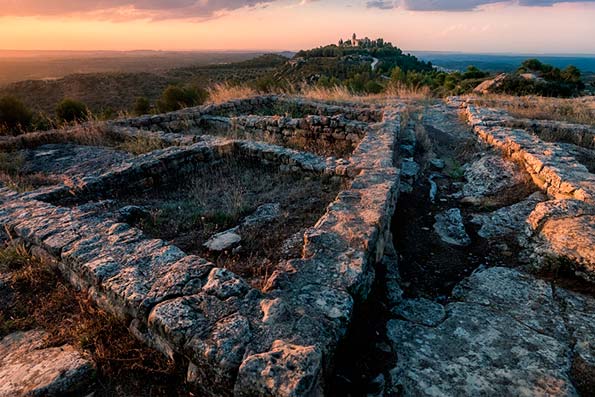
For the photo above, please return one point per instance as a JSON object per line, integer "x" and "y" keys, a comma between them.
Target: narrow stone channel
{"x": 453, "y": 311}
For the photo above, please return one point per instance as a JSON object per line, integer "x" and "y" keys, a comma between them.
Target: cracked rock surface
{"x": 27, "y": 368}
{"x": 505, "y": 333}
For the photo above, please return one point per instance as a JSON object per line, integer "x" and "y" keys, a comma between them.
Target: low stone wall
{"x": 235, "y": 340}
{"x": 562, "y": 230}
{"x": 330, "y": 129}
{"x": 189, "y": 119}
{"x": 162, "y": 168}
{"x": 553, "y": 168}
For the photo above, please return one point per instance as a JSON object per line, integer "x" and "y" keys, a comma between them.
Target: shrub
{"x": 175, "y": 98}
{"x": 14, "y": 115}
{"x": 141, "y": 106}
{"x": 70, "y": 110}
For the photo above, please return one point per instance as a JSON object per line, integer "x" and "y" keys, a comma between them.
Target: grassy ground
{"x": 38, "y": 297}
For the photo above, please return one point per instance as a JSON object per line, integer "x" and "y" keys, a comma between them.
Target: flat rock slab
{"x": 28, "y": 369}
{"x": 506, "y": 337}
{"x": 72, "y": 160}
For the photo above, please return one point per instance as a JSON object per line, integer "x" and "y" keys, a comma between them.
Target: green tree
{"x": 175, "y": 98}
{"x": 142, "y": 106}
{"x": 571, "y": 74}
{"x": 70, "y": 110}
{"x": 14, "y": 115}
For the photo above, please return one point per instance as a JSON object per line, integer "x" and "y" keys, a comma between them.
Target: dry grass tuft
{"x": 141, "y": 144}
{"x": 13, "y": 177}
{"x": 223, "y": 92}
{"x": 343, "y": 94}
{"x": 39, "y": 298}
{"x": 574, "y": 110}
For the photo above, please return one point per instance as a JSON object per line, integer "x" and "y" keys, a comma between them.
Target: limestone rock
{"x": 437, "y": 164}
{"x": 449, "y": 226}
{"x": 420, "y": 311}
{"x": 224, "y": 284}
{"x": 579, "y": 313}
{"x": 489, "y": 178}
{"x": 286, "y": 371}
{"x": 507, "y": 220}
{"x": 571, "y": 239}
{"x": 490, "y": 85}
{"x": 28, "y": 369}
{"x": 224, "y": 240}
{"x": 505, "y": 337}
{"x": 264, "y": 214}
{"x": 409, "y": 169}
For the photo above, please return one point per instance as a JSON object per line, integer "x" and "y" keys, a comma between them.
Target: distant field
{"x": 130, "y": 76}
{"x": 35, "y": 65}
{"x": 503, "y": 63}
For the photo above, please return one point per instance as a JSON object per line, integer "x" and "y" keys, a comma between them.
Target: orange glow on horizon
{"x": 562, "y": 28}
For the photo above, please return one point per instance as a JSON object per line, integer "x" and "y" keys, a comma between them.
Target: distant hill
{"x": 343, "y": 61}
{"x": 503, "y": 63}
{"x": 115, "y": 91}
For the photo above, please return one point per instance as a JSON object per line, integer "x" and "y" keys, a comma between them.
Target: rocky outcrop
{"x": 562, "y": 231}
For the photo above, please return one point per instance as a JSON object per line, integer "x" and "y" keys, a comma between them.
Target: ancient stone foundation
{"x": 234, "y": 339}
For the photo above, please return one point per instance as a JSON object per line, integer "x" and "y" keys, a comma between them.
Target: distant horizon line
{"x": 264, "y": 51}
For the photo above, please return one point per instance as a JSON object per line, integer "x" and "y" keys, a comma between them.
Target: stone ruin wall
{"x": 228, "y": 334}
{"x": 563, "y": 229}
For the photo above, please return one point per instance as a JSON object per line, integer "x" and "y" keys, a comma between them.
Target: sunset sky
{"x": 528, "y": 26}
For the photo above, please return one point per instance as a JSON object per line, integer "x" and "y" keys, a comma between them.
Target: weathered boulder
{"x": 579, "y": 313}
{"x": 450, "y": 228}
{"x": 489, "y": 179}
{"x": 564, "y": 235}
{"x": 231, "y": 238}
{"x": 29, "y": 369}
{"x": 507, "y": 220}
{"x": 490, "y": 85}
{"x": 285, "y": 371}
{"x": 224, "y": 240}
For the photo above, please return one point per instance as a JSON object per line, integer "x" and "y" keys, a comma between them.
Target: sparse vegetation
{"x": 223, "y": 92}
{"x": 70, "y": 110}
{"x": 141, "y": 106}
{"x": 13, "y": 177}
{"x": 41, "y": 298}
{"x": 141, "y": 144}
{"x": 578, "y": 110}
{"x": 15, "y": 117}
{"x": 218, "y": 196}
{"x": 175, "y": 98}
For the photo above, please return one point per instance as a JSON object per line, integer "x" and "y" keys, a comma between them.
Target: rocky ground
{"x": 467, "y": 271}
{"x": 460, "y": 308}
